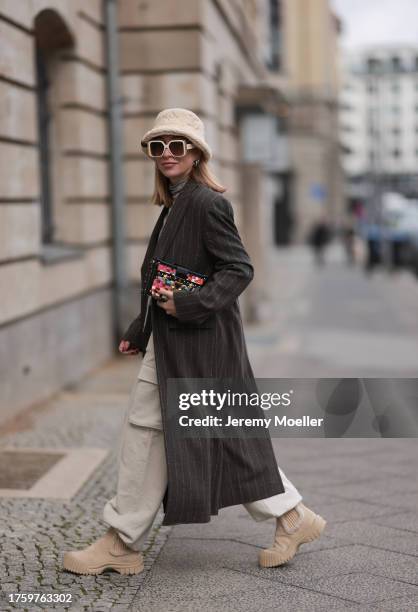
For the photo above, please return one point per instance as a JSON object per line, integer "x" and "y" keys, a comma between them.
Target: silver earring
{"x": 196, "y": 163}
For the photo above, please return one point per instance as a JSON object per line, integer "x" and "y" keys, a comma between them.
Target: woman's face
{"x": 176, "y": 168}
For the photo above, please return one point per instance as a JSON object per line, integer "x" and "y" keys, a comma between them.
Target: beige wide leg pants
{"x": 142, "y": 479}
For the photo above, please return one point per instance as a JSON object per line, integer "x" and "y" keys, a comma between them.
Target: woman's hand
{"x": 168, "y": 305}
{"x": 124, "y": 348}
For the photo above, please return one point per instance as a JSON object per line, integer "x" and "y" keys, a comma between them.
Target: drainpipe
{"x": 114, "y": 105}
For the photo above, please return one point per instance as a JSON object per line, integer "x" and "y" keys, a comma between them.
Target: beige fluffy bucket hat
{"x": 181, "y": 122}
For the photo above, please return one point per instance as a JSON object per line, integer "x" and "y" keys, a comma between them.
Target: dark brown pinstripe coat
{"x": 205, "y": 340}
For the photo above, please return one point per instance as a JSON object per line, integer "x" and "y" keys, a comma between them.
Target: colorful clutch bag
{"x": 168, "y": 275}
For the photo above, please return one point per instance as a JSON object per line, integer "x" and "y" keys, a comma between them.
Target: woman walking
{"x": 190, "y": 335}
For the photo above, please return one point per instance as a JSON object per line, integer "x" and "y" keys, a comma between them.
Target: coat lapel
{"x": 174, "y": 219}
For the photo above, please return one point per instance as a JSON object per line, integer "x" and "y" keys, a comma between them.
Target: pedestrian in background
{"x": 195, "y": 334}
{"x": 348, "y": 236}
{"x": 372, "y": 233}
{"x": 319, "y": 237}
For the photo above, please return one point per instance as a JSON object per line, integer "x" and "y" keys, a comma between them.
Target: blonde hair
{"x": 201, "y": 174}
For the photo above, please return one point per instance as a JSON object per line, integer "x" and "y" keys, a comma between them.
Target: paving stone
{"x": 398, "y": 604}
{"x": 368, "y": 533}
{"x": 308, "y": 566}
{"x": 364, "y": 588}
{"x": 405, "y": 521}
{"x": 405, "y": 501}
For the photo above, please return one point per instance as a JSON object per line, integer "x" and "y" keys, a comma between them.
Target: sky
{"x": 369, "y": 22}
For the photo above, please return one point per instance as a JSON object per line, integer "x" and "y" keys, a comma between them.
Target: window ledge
{"x": 55, "y": 253}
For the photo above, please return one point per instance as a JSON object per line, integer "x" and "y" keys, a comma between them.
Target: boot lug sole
{"x": 78, "y": 568}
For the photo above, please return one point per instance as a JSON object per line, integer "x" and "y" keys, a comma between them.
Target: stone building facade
{"x": 55, "y": 271}
{"x": 57, "y": 318}
{"x": 312, "y": 51}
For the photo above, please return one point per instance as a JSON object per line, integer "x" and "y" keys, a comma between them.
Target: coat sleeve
{"x": 133, "y": 333}
{"x": 232, "y": 267}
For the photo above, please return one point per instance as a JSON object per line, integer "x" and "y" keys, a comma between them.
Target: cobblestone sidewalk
{"x": 35, "y": 532}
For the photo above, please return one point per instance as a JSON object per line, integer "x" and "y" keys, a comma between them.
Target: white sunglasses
{"x": 177, "y": 147}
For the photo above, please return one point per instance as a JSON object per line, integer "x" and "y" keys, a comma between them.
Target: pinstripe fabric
{"x": 205, "y": 340}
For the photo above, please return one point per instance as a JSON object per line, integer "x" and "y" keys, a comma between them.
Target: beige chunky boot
{"x": 296, "y": 527}
{"x": 108, "y": 552}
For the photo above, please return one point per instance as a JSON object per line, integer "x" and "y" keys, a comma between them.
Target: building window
{"x": 396, "y": 153}
{"x": 51, "y": 35}
{"x": 44, "y": 120}
{"x": 373, "y": 65}
{"x": 396, "y": 64}
{"x": 274, "y": 29}
{"x": 396, "y": 130}
{"x": 395, "y": 87}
